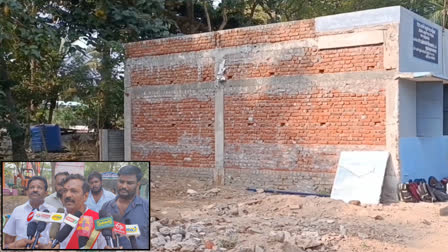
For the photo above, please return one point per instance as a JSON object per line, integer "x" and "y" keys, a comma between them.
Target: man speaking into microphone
{"x": 129, "y": 206}
{"x": 75, "y": 193}
{"x": 16, "y": 227}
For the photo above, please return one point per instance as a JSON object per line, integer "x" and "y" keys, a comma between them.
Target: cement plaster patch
{"x": 185, "y": 145}
{"x": 358, "y": 82}
{"x": 155, "y": 94}
{"x": 286, "y": 156}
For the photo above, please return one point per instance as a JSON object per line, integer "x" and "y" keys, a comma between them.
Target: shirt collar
{"x": 45, "y": 205}
{"x": 137, "y": 201}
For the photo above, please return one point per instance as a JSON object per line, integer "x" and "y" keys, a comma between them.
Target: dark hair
{"x": 61, "y": 173}
{"x": 85, "y": 185}
{"x": 93, "y": 175}
{"x": 37, "y": 178}
{"x": 131, "y": 170}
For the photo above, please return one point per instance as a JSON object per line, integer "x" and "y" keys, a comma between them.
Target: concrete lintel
{"x": 350, "y": 39}
{"x": 347, "y": 21}
{"x": 356, "y": 82}
{"x": 422, "y": 77}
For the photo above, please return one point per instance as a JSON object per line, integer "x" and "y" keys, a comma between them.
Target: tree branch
{"x": 252, "y": 9}
{"x": 224, "y": 19}
{"x": 209, "y": 25}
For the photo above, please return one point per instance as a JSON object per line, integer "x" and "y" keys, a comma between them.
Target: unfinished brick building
{"x": 274, "y": 105}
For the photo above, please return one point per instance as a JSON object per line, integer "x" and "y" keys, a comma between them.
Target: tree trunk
{"x": 190, "y": 9}
{"x": 33, "y": 164}
{"x": 15, "y": 130}
{"x": 105, "y": 87}
{"x": 17, "y": 136}
{"x": 209, "y": 25}
{"x": 50, "y": 112}
{"x": 224, "y": 19}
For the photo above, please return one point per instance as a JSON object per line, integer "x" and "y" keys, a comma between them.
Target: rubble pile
{"x": 194, "y": 217}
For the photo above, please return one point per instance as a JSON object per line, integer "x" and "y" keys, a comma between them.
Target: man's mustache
{"x": 34, "y": 193}
{"x": 67, "y": 200}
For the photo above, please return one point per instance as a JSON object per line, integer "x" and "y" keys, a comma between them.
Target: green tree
{"x": 36, "y": 38}
{"x": 26, "y": 38}
{"x": 107, "y": 25}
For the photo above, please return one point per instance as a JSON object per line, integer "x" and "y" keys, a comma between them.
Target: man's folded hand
{"x": 20, "y": 244}
{"x": 47, "y": 246}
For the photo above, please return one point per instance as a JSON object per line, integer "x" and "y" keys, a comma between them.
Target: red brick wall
{"x": 168, "y": 123}
{"x": 173, "y": 75}
{"x": 228, "y": 38}
{"x": 269, "y": 34}
{"x": 321, "y": 117}
{"x": 335, "y": 118}
{"x": 171, "y": 45}
{"x": 355, "y": 59}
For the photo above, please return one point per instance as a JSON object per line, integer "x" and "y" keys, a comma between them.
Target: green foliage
{"x": 66, "y": 117}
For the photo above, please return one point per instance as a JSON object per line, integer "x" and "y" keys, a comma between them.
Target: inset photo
{"x": 75, "y": 205}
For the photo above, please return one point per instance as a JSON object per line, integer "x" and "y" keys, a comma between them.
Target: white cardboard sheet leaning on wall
{"x": 360, "y": 176}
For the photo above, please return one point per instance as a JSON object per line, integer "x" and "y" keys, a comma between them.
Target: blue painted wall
{"x": 422, "y": 157}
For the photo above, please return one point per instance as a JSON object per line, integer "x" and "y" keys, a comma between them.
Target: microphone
{"x": 40, "y": 228}
{"x": 105, "y": 224}
{"x": 65, "y": 231}
{"x": 117, "y": 217}
{"x": 132, "y": 231}
{"x": 114, "y": 242}
{"x": 31, "y": 227}
{"x": 85, "y": 228}
{"x": 30, "y": 231}
{"x": 55, "y": 226}
{"x": 119, "y": 228}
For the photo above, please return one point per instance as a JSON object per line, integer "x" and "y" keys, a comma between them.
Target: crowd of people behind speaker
{"x": 86, "y": 199}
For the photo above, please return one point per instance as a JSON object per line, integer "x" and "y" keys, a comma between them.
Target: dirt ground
{"x": 83, "y": 155}
{"x": 11, "y": 202}
{"x": 233, "y": 219}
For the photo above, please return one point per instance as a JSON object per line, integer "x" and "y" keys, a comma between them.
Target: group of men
{"x": 73, "y": 193}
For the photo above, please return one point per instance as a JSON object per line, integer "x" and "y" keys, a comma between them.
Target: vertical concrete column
{"x": 391, "y": 62}
{"x": 219, "y": 125}
{"x": 127, "y": 113}
{"x": 393, "y": 174}
{"x": 104, "y": 145}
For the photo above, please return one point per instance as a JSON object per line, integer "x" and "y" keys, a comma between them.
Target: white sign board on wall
{"x": 70, "y": 167}
{"x": 425, "y": 42}
{"x": 420, "y": 44}
{"x": 360, "y": 176}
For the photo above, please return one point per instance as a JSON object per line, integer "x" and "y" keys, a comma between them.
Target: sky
{"x": 216, "y": 3}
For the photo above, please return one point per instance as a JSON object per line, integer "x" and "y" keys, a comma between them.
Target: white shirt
{"x": 17, "y": 223}
{"x": 99, "y": 244}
